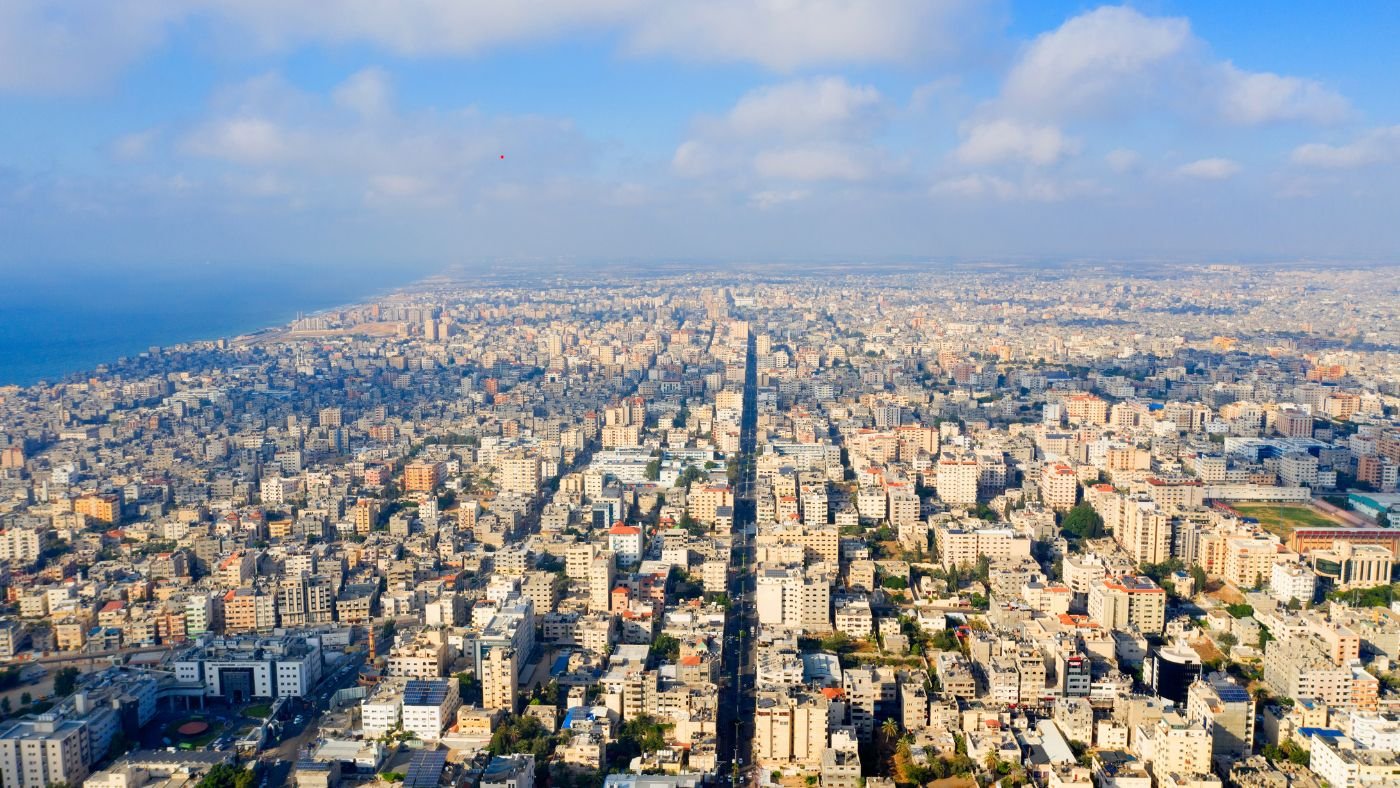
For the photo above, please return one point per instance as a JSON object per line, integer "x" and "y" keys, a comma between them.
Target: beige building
{"x": 960, "y": 545}
{"x": 1249, "y": 561}
{"x": 1142, "y": 529}
{"x": 791, "y": 598}
{"x": 1120, "y": 602}
{"x": 600, "y": 582}
{"x": 1059, "y": 486}
{"x": 423, "y": 657}
{"x": 499, "y": 679}
{"x": 704, "y": 500}
{"x": 958, "y": 474}
{"x": 1349, "y": 565}
{"x": 790, "y": 728}
{"x": 40, "y": 752}
{"x": 1086, "y": 409}
{"x": 365, "y": 515}
{"x": 1177, "y": 746}
{"x": 305, "y": 600}
{"x": 520, "y": 473}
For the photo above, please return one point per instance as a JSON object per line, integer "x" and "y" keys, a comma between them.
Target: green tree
{"x": 65, "y": 680}
{"x": 1198, "y": 576}
{"x": 1379, "y": 596}
{"x": 521, "y": 734}
{"x": 226, "y": 775}
{"x": 469, "y": 688}
{"x": 666, "y": 648}
{"x": 1082, "y": 522}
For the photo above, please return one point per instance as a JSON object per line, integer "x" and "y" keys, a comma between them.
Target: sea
{"x": 60, "y": 320}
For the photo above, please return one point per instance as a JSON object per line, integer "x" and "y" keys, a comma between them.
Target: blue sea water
{"x": 60, "y": 320}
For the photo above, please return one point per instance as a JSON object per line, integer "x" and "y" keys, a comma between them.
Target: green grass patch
{"x": 260, "y": 710}
{"x": 1283, "y": 519}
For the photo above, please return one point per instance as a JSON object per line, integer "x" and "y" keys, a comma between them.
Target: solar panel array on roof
{"x": 1232, "y": 694}
{"x": 420, "y": 692}
{"x": 425, "y": 770}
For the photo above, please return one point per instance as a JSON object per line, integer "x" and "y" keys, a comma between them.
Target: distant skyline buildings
{"x": 430, "y": 134}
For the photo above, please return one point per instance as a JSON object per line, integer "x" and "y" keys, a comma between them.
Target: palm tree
{"x": 889, "y": 729}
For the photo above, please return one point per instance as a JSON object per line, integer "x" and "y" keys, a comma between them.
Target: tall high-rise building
{"x": 1171, "y": 671}
{"x": 1059, "y": 486}
{"x": 1121, "y": 602}
{"x": 499, "y": 679}
{"x": 958, "y": 473}
{"x": 1227, "y": 710}
{"x": 247, "y": 610}
{"x": 306, "y": 600}
{"x": 1180, "y": 747}
{"x": 520, "y": 473}
{"x": 423, "y": 476}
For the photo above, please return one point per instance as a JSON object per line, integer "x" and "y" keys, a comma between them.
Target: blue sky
{"x": 187, "y": 131}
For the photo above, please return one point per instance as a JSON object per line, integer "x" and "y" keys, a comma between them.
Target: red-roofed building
{"x": 626, "y": 543}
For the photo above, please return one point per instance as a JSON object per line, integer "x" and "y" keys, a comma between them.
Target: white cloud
{"x": 693, "y": 159}
{"x": 810, "y": 164}
{"x": 790, "y": 34}
{"x": 1377, "y": 146}
{"x": 770, "y": 198}
{"x": 1115, "y": 59}
{"x": 1091, "y": 57}
{"x": 314, "y": 148}
{"x": 247, "y": 140}
{"x": 1122, "y": 160}
{"x": 398, "y": 186}
{"x": 134, "y": 145}
{"x": 52, "y": 45}
{"x": 997, "y": 141}
{"x": 828, "y": 105}
{"x": 1262, "y": 97}
{"x": 1031, "y": 188}
{"x": 807, "y": 130}
{"x": 1214, "y": 169}
{"x": 367, "y": 91}
{"x": 976, "y": 185}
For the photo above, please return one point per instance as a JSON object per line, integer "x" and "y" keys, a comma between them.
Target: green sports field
{"x": 1283, "y": 519}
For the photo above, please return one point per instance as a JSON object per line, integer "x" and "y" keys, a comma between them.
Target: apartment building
{"x": 1128, "y": 601}
{"x": 958, "y": 474}
{"x": 1059, "y": 486}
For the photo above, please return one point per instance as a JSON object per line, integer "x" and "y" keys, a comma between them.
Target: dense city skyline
{"x": 699, "y": 394}
{"x": 1001, "y": 525}
{"x": 178, "y": 133}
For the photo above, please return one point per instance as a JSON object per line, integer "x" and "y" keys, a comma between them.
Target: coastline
{"x": 46, "y": 339}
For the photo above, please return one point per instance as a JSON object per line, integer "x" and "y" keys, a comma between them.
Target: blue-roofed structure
{"x": 1330, "y": 734}
{"x": 1232, "y": 693}
{"x": 426, "y": 768}
{"x": 425, "y": 692}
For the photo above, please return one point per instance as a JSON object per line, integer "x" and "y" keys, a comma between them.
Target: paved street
{"x": 735, "y": 722}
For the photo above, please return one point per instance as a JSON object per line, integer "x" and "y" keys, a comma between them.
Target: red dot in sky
{"x": 503, "y": 155}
